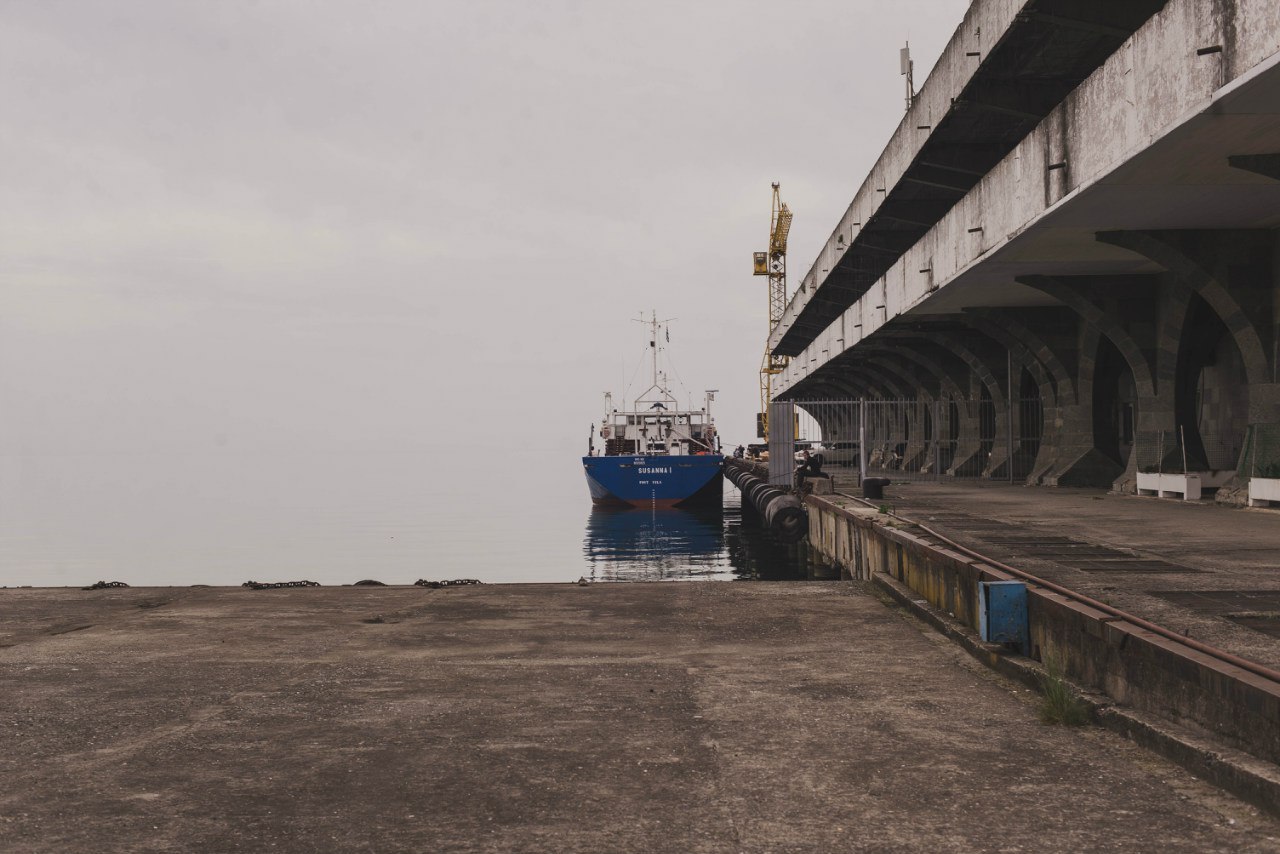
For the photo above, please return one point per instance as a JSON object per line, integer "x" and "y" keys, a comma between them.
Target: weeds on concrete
{"x": 1059, "y": 703}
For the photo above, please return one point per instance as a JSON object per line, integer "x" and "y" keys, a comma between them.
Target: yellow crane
{"x": 774, "y": 265}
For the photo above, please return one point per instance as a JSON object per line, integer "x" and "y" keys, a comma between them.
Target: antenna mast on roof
{"x": 906, "y": 66}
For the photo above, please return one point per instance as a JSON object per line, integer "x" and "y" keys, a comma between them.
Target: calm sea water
{"x": 222, "y": 519}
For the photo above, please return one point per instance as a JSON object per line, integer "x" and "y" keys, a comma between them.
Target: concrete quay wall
{"x": 1132, "y": 666}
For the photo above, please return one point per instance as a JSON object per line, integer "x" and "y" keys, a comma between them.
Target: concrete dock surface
{"x": 714, "y": 717}
{"x": 1220, "y": 583}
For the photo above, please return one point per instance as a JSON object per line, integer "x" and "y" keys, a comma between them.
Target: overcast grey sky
{"x": 340, "y": 226}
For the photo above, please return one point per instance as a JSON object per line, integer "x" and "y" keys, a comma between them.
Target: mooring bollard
{"x": 873, "y": 487}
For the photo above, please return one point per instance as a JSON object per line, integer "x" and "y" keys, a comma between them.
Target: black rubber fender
{"x": 783, "y": 513}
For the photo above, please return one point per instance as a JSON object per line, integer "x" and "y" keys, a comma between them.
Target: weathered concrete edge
{"x": 1091, "y": 645}
{"x": 1127, "y": 664}
{"x": 1235, "y": 771}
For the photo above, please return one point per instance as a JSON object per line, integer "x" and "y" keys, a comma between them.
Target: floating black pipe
{"x": 783, "y": 513}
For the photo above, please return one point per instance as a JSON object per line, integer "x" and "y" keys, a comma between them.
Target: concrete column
{"x": 1024, "y": 360}
{"x": 1235, "y": 272}
{"x": 1089, "y": 298}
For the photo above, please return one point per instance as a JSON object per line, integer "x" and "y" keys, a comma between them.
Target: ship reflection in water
{"x": 672, "y": 544}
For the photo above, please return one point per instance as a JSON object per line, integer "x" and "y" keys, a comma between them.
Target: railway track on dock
{"x": 1076, "y": 554}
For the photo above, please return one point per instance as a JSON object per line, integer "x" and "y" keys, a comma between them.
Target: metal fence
{"x": 918, "y": 439}
{"x": 903, "y": 439}
{"x": 1262, "y": 451}
{"x": 1180, "y": 451}
{"x": 981, "y": 438}
{"x": 1029, "y": 432}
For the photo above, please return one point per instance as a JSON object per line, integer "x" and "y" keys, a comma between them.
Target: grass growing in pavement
{"x": 1059, "y": 703}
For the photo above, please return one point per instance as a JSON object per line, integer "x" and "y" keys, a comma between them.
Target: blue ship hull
{"x": 655, "y": 481}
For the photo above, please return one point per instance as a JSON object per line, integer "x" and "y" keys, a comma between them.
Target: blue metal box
{"x": 1002, "y": 612}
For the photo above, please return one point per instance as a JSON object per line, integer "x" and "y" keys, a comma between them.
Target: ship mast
{"x": 654, "y": 324}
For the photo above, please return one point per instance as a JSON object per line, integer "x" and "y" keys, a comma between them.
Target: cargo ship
{"x": 655, "y": 454}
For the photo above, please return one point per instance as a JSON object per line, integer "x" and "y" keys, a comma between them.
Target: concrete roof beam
{"x": 1028, "y": 58}
{"x": 1267, "y": 165}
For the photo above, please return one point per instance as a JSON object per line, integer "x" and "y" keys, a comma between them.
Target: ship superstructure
{"x": 655, "y": 453}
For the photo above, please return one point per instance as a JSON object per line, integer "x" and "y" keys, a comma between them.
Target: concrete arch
{"x": 849, "y": 390}
{"x": 961, "y": 348}
{"x": 1051, "y": 421}
{"x": 841, "y": 422}
{"x": 1022, "y": 357}
{"x": 897, "y": 378}
{"x": 890, "y": 382}
{"x": 903, "y": 389}
{"x": 994, "y": 459}
{"x": 967, "y": 450}
{"x": 995, "y": 465}
{"x": 1035, "y": 344}
{"x": 1061, "y": 290}
{"x": 831, "y": 388}
{"x": 847, "y": 375}
{"x": 867, "y": 387}
{"x": 906, "y": 415}
{"x": 837, "y": 421}
{"x": 947, "y": 383}
{"x": 918, "y": 416}
{"x": 1075, "y": 459}
{"x": 1171, "y": 323}
{"x": 1090, "y": 338}
{"x": 834, "y": 418}
{"x": 909, "y": 383}
{"x": 1188, "y": 272}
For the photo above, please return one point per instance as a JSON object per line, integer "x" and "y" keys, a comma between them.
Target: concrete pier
{"x": 1186, "y": 663}
{"x": 645, "y": 717}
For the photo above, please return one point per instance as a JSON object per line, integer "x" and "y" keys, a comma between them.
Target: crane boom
{"x": 781, "y": 227}
{"x": 774, "y": 265}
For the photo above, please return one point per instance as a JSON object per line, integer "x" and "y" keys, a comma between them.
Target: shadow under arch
{"x": 1211, "y": 390}
{"x": 1115, "y": 404}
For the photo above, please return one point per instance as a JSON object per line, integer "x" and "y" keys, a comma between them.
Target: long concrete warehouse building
{"x": 1074, "y": 230}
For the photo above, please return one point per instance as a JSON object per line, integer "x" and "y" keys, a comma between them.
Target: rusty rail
{"x": 1220, "y": 654}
